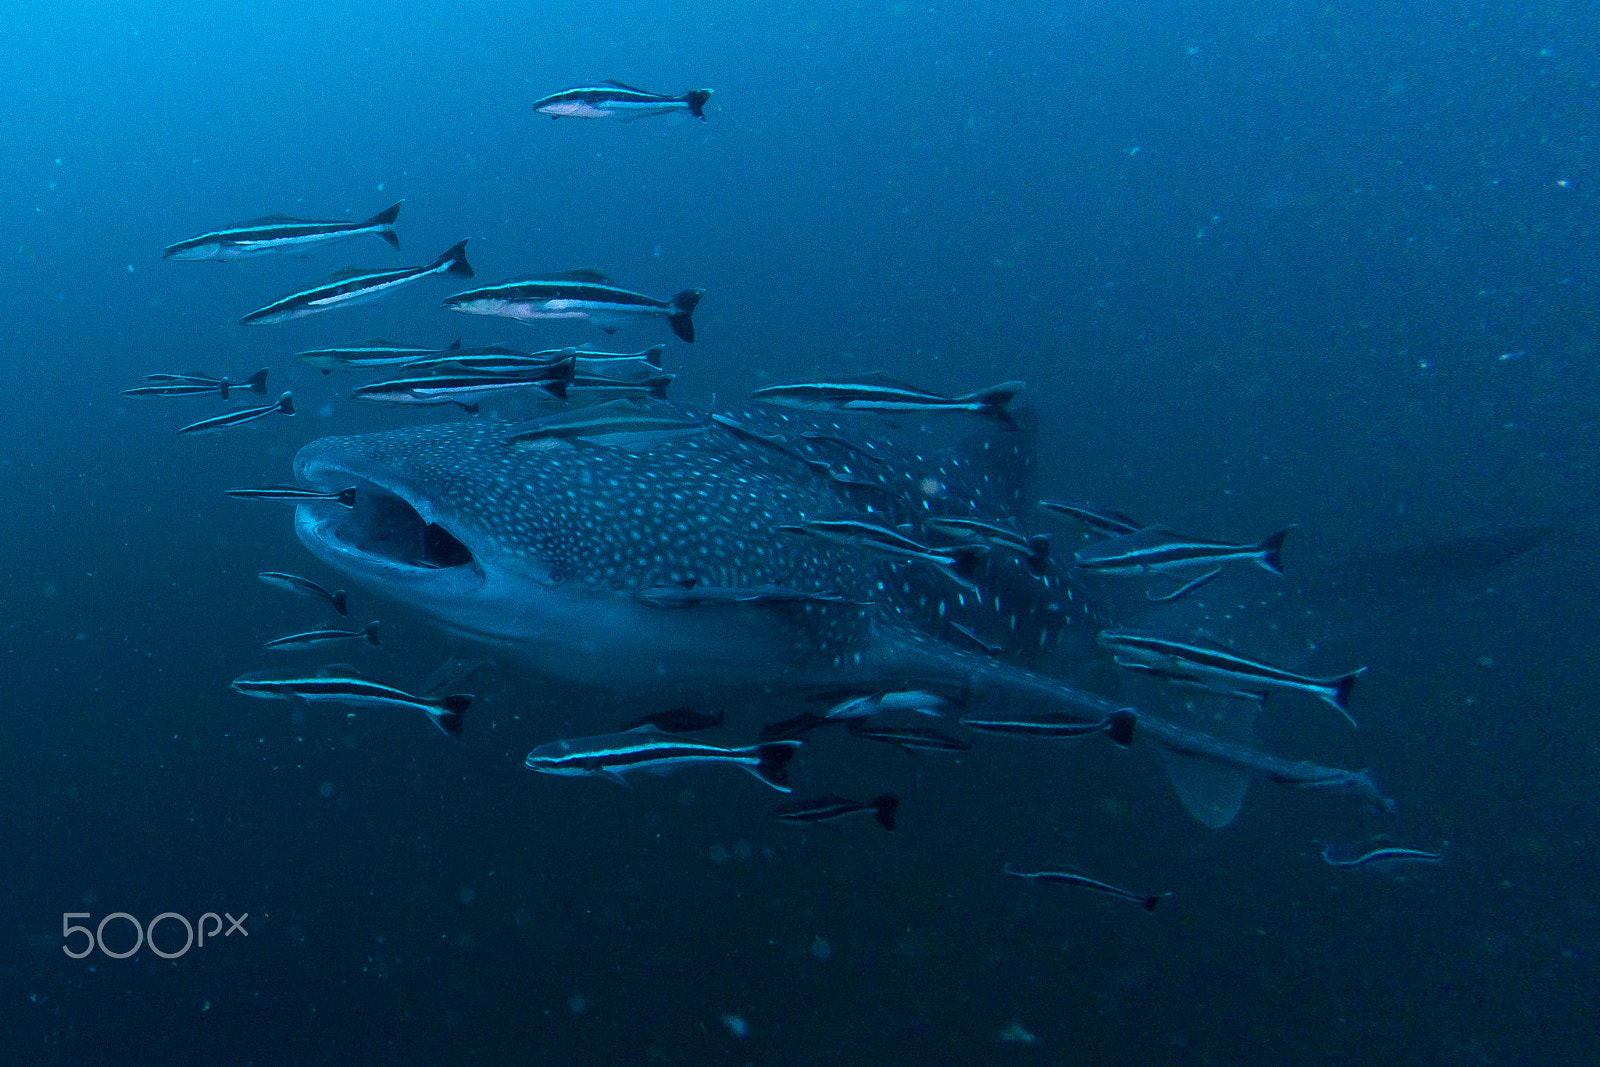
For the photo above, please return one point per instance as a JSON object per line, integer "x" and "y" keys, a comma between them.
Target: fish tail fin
{"x": 341, "y": 603}
{"x": 556, "y": 387}
{"x": 773, "y": 767}
{"x": 883, "y": 808}
{"x": 257, "y": 382}
{"x": 1038, "y": 554}
{"x": 1152, "y": 902}
{"x": 1120, "y": 726}
{"x": 1339, "y": 692}
{"x": 456, "y": 257}
{"x": 447, "y": 711}
{"x": 385, "y": 219}
{"x": 1271, "y": 551}
{"x": 683, "y": 306}
{"x": 286, "y": 403}
{"x": 658, "y": 385}
{"x": 963, "y": 562}
{"x": 696, "y": 99}
{"x": 347, "y": 497}
{"x": 370, "y": 634}
{"x": 447, "y": 721}
{"x": 995, "y": 402}
{"x": 652, "y": 355}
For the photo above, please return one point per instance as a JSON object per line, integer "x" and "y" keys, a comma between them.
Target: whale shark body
{"x": 554, "y": 554}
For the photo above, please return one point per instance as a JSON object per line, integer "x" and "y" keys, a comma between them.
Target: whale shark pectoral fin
{"x": 1212, "y": 792}
{"x": 1211, "y": 789}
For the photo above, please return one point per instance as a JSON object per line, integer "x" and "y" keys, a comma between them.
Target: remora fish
{"x": 293, "y": 583}
{"x": 879, "y": 393}
{"x": 1035, "y": 550}
{"x": 292, "y": 494}
{"x": 195, "y": 385}
{"x": 578, "y": 294}
{"x": 1388, "y": 856}
{"x": 907, "y": 738}
{"x": 217, "y": 423}
{"x": 1119, "y": 725}
{"x": 1146, "y": 901}
{"x": 1219, "y": 669}
{"x": 319, "y": 638}
{"x": 959, "y": 563}
{"x": 614, "y": 99}
{"x": 279, "y": 233}
{"x": 1162, "y": 551}
{"x": 372, "y": 354}
{"x": 444, "y": 712}
{"x": 602, "y": 420}
{"x": 536, "y": 552}
{"x": 832, "y": 808}
{"x": 458, "y": 388}
{"x": 354, "y": 286}
{"x": 488, "y": 359}
{"x": 1100, "y": 520}
{"x": 646, "y": 748}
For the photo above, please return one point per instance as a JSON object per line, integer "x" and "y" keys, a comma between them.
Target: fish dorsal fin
{"x": 272, "y": 220}
{"x": 455, "y": 346}
{"x": 582, "y": 274}
{"x": 379, "y": 342}
{"x": 631, "y": 88}
{"x": 1205, "y": 637}
{"x": 343, "y": 670}
{"x": 880, "y": 378}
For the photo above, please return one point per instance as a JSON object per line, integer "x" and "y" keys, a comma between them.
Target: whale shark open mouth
{"x": 386, "y": 529}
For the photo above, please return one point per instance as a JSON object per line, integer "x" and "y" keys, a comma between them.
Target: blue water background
{"x": 1330, "y": 264}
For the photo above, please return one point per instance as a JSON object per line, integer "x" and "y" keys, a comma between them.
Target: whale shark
{"x": 553, "y": 552}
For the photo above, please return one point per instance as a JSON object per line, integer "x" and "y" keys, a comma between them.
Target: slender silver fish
{"x": 1388, "y": 856}
{"x": 376, "y": 353}
{"x": 880, "y": 393}
{"x": 217, "y": 423}
{"x": 292, "y": 494}
{"x": 280, "y": 233}
{"x": 319, "y": 638}
{"x": 958, "y": 562}
{"x": 1100, "y": 520}
{"x": 293, "y": 583}
{"x": 832, "y": 808}
{"x": 1146, "y": 901}
{"x": 646, "y": 748}
{"x": 1159, "y": 550}
{"x": 1219, "y": 669}
{"x": 578, "y": 294}
{"x": 613, "y": 99}
{"x": 152, "y": 385}
{"x": 348, "y": 688}
{"x": 348, "y": 288}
